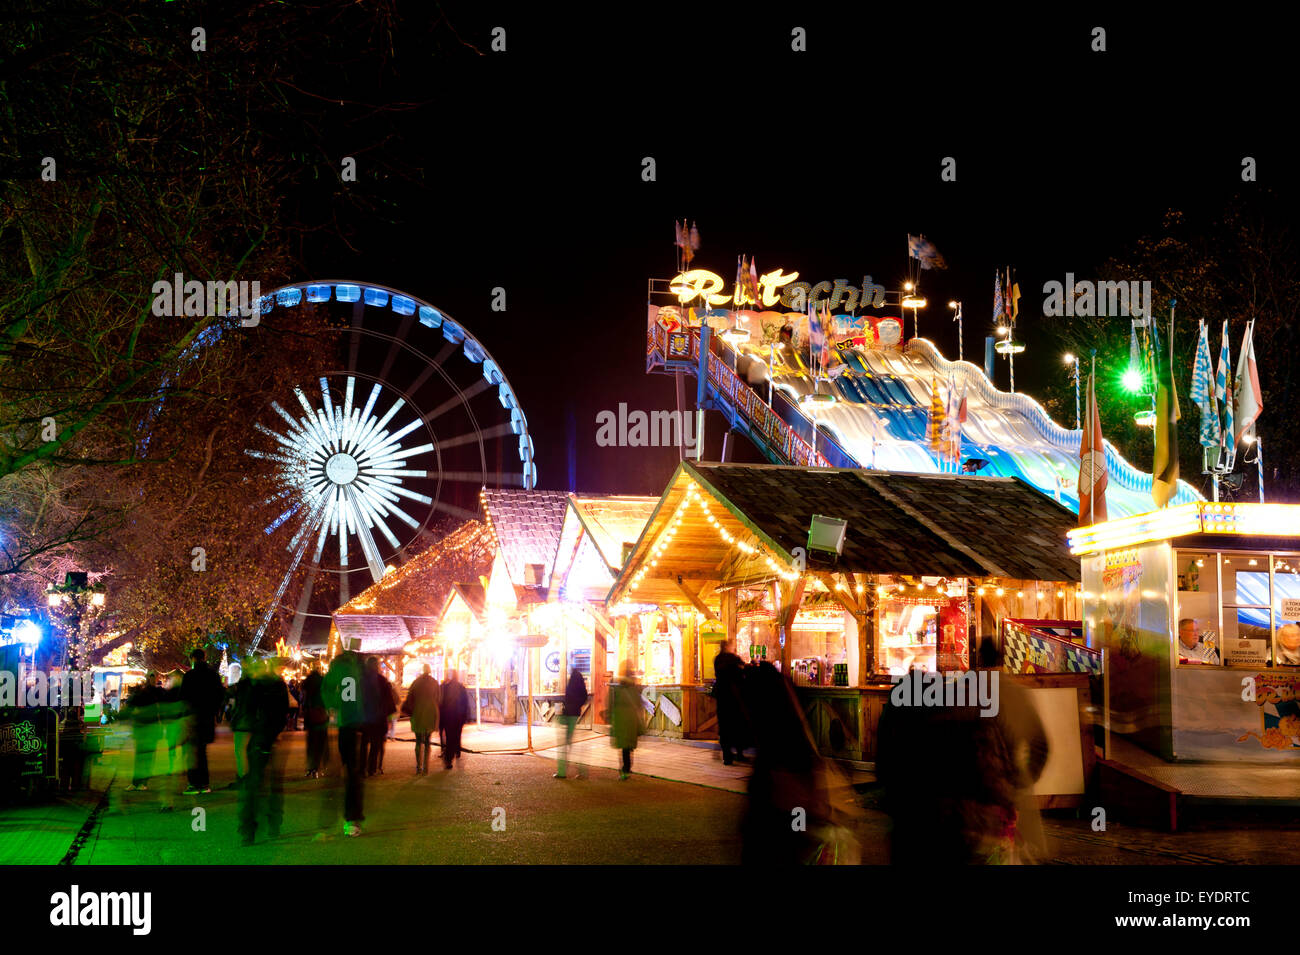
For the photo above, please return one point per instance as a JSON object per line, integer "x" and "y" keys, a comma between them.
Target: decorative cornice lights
{"x": 693, "y": 494}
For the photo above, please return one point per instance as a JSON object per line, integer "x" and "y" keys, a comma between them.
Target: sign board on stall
{"x": 1290, "y": 608}
{"x": 1241, "y": 652}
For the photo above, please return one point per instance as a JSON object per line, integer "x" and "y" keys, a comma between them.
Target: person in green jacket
{"x": 422, "y": 702}
{"x": 625, "y": 715}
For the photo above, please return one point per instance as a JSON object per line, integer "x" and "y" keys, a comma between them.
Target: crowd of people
{"x": 182, "y": 713}
{"x": 955, "y": 783}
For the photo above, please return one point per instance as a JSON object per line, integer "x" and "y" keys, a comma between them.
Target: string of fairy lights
{"x": 695, "y": 496}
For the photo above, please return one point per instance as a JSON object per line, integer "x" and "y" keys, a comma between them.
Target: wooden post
{"x": 791, "y": 598}
{"x": 729, "y": 612}
{"x": 689, "y": 664}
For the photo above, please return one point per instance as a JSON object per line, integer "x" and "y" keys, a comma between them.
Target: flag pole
{"x": 1259, "y": 460}
{"x": 1092, "y": 410}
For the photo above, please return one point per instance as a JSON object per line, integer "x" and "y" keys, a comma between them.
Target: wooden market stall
{"x": 598, "y": 531}
{"x": 927, "y": 565}
{"x": 525, "y": 528}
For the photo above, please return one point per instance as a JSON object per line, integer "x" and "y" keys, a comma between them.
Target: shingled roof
{"x": 924, "y": 524}
{"x": 527, "y": 526}
{"x": 933, "y": 524}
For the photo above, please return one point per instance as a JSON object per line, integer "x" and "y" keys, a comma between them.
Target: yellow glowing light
{"x": 1060, "y": 593}
{"x": 699, "y": 283}
{"x": 999, "y": 591}
{"x": 770, "y": 282}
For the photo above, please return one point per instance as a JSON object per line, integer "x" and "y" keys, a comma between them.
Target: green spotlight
{"x": 1133, "y": 380}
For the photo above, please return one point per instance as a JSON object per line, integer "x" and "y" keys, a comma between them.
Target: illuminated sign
{"x": 777, "y": 287}
{"x": 1263, "y": 520}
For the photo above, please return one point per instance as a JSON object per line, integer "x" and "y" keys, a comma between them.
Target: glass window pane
{"x": 1286, "y": 608}
{"x": 1198, "y": 640}
{"x": 1248, "y": 637}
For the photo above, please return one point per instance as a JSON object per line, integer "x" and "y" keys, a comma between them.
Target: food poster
{"x": 1239, "y": 715}
{"x": 1126, "y": 612}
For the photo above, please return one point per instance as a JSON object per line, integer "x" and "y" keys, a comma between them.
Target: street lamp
{"x": 1078, "y": 417}
{"x": 956, "y": 307}
{"x": 913, "y": 301}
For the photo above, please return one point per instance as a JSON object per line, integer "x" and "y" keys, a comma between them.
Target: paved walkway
{"x": 1227, "y": 781}
{"x": 688, "y": 761}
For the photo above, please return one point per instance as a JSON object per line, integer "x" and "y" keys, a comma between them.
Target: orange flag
{"x": 1092, "y": 462}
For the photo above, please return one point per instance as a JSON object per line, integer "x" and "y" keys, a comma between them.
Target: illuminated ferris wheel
{"x": 417, "y": 421}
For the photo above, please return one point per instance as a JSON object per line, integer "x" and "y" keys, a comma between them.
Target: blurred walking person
{"x": 625, "y": 719}
{"x": 729, "y": 671}
{"x": 261, "y": 790}
{"x": 146, "y": 732}
{"x": 171, "y": 715}
{"x": 423, "y": 701}
{"x": 454, "y": 711}
{"x": 380, "y": 704}
{"x": 799, "y": 804}
{"x": 345, "y": 692}
{"x": 241, "y": 716}
{"x": 575, "y": 698}
{"x": 203, "y": 693}
{"x": 316, "y": 720}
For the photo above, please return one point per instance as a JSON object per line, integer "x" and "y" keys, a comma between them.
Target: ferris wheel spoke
{"x": 358, "y": 311}
{"x": 368, "y": 546}
{"x": 300, "y": 613}
{"x": 449, "y": 508}
{"x": 494, "y": 432}
{"x": 478, "y": 479}
{"x": 403, "y": 330}
{"x": 463, "y": 397}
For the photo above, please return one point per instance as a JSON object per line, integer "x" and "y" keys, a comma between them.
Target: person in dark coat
{"x": 422, "y": 703}
{"x": 791, "y": 782}
{"x": 316, "y": 720}
{"x": 729, "y": 671}
{"x": 241, "y": 715}
{"x": 261, "y": 790}
{"x": 345, "y": 691}
{"x": 575, "y": 698}
{"x": 381, "y": 703}
{"x": 202, "y": 691}
{"x": 455, "y": 709}
{"x": 625, "y": 719}
{"x": 146, "y": 731}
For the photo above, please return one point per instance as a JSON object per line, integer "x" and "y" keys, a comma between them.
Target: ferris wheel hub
{"x": 342, "y": 468}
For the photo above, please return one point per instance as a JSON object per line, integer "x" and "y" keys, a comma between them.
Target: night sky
{"x": 527, "y": 176}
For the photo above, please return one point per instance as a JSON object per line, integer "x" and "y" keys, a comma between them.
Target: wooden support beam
{"x": 694, "y": 597}
{"x": 791, "y": 598}
{"x": 603, "y": 622}
{"x": 848, "y": 601}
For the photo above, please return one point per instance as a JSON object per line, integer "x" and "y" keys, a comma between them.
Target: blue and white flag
{"x": 816, "y": 340}
{"x": 1223, "y": 393}
{"x": 1203, "y": 394}
{"x": 923, "y": 250}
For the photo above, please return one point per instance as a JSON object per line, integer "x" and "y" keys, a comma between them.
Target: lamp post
{"x": 913, "y": 300}
{"x": 1078, "y": 417}
{"x": 956, "y": 307}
